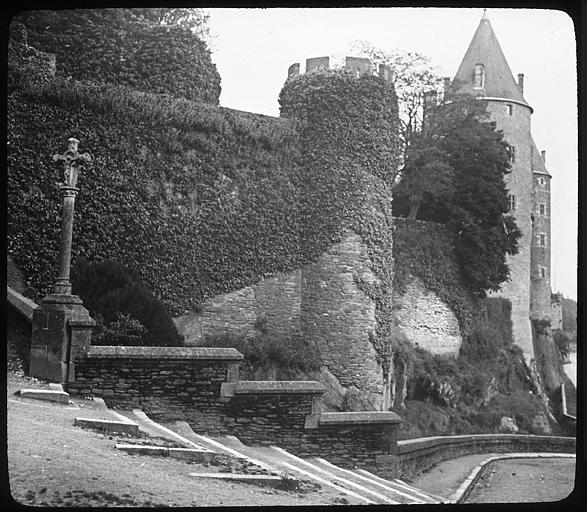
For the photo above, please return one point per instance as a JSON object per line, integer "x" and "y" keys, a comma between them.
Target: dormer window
{"x": 479, "y": 77}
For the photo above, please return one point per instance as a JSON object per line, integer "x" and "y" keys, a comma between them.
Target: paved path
{"x": 446, "y": 477}
{"x": 524, "y": 480}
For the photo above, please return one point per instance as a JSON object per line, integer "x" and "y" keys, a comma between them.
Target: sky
{"x": 253, "y": 48}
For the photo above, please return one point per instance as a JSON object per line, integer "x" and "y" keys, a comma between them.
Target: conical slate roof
{"x": 537, "y": 162}
{"x": 499, "y": 81}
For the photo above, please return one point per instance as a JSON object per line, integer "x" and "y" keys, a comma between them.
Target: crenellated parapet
{"x": 357, "y": 65}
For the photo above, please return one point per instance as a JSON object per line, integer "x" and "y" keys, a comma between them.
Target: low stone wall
{"x": 166, "y": 382}
{"x": 283, "y": 413}
{"x": 365, "y": 440}
{"x": 269, "y": 412}
{"x": 415, "y": 456}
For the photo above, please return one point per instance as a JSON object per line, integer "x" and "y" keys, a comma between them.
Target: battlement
{"x": 358, "y": 65}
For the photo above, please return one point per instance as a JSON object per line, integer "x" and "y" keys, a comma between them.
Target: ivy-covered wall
{"x": 197, "y": 199}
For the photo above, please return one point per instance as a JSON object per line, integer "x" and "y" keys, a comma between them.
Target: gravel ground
{"x": 53, "y": 463}
{"x": 524, "y": 480}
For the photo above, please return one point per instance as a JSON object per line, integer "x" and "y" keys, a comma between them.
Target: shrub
{"x": 290, "y": 353}
{"x": 562, "y": 341}
{"x": 128, "y": 311}
{"x": 125, "y": 330}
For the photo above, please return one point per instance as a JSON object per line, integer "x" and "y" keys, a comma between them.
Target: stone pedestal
{"x": 61, "y": 333}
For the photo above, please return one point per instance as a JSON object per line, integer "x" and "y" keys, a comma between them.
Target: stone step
{"x": 273, "y": 480}
{"x": 115, "y": 427}
{"x": 190, "y": 454}
{"x": 51, "y": 395}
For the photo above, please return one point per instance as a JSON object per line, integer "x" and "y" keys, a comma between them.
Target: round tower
{"x": 484, "y": 73}
{"x": 348, "y": 128}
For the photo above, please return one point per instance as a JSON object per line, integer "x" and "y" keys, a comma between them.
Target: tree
{"x": 454, "y": 174}
{"x": 426, "y": 176}
{"x": 152, "y": 50}
{"x": 413, "y": 77}
{"x": 193, "y": 19}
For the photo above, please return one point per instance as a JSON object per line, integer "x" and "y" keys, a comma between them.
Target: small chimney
{"x": 521, "y": 82}
{"x": 543, "y": 153}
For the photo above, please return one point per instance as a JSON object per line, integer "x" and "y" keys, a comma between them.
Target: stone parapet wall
{"x": 166, "y": 382}
{"x": 415, "y": 456}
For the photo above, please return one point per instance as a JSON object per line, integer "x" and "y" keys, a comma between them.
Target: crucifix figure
{"x": 72, "y": 161}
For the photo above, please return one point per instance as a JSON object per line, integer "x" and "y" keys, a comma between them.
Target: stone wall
{"x": 166, "y": 382}
{"x": 320, "y": 302}
{"x": 427, "y": 321}
{"x": 271, "y": 306}
{"x": 418, "y": 455}
{"x": 338, "y": 318}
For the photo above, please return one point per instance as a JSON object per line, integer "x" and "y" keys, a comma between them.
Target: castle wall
{"x": 516, "y": 129}
{"x": 427, "y": 321}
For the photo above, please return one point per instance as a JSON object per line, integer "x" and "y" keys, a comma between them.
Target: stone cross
{"x": 72, "y": 161}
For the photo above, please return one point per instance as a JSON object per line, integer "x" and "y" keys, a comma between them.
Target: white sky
{"x": 253, "y": 48}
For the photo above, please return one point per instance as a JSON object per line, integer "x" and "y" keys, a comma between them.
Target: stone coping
{"x": 277, "y": 387}
{"x": 359, "y": 418}
{"x": 409, "y": 445}
{"x": 20, "y": 303}
{"x": 168, "y": 353}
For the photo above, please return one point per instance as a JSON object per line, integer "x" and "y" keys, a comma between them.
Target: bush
{"x": 125, "y": 330}
{"x": 128, "y": 312}
{"x": 562, "y": 341}
{"x": 520, "y": 405}
{"x": 290, "y": 353}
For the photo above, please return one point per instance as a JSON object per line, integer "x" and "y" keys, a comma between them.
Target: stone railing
{"x": 417, "y": 455}
{"x": 19, "y": 303}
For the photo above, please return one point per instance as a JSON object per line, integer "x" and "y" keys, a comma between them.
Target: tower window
{"x": 479, "y": 76}
{"x": 512, "y": 202}
{"x": 542, "y": 239}
{"x": 541, "y": 181}
{"x": 542, "y": 209}
{"x": 512, "y": 154}
{"x": 509, "y": 109}
{"x": 542, "y": 272}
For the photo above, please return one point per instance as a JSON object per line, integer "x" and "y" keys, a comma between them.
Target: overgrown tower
{"x": 484, "y": 73}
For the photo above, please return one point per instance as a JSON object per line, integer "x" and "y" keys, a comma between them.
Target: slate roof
{"x": 499, "y": 81}
{"x": 538, "y": 166}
